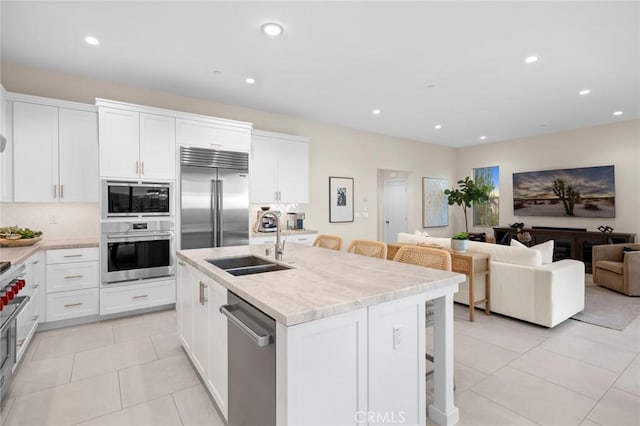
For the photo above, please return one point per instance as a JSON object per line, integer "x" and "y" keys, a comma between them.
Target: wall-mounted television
{"x": 579, "y": 192}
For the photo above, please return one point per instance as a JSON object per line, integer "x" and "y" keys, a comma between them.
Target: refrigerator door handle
{"x": 215, "y": 212}
{"x": 220, "y": 192}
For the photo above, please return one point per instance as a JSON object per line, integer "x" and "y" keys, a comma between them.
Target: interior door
{"x": 197, "y": 204}
{"x": 233, "y": 201}
{"x": 396, "y": 208}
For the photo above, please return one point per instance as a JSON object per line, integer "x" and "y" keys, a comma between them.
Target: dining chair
{"x": 368, "y": 248}
{"x": 332, "y": 242}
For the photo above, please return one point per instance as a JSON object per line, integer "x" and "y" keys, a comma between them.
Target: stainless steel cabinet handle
{"x": 137, "y": 171}
{"x": 260, "y": 340}
{"x": 35, "y": 262}
{"x": 35, "y": 317}
{"x": 200, "y": 292}
{"x": 73, "y": 255}
{"x": 73, "y": 304}
{"x": 55, "y": 191}
{"x": 61, "y": 191}
{"x": 69, "y": 277}
{"x": 203, "y": 299}
{"x": 35, "y": 286}
{"x": 20, "y": 343}
{"x": 142, "y": 168}
{"x": 141, "y": 296}
{"x": 182, "y": 263}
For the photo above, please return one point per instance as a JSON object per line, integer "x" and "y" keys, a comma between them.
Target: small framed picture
{"x": 340, "y": 199}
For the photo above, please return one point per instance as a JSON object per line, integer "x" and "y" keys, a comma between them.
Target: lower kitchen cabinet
{"x": 130, "y": 297}
{"x": 72, "y": 283}
{"x": 294, "y": 238}
{"x": 202, "y": 329}
{"x": 34, "y": 312}
{"x": 27, "y": 322}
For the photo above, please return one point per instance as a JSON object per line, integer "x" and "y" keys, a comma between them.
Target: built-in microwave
{"x": 134, "y": 199}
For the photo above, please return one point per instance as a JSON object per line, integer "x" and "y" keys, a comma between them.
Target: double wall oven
{"x": 137, "y": 232}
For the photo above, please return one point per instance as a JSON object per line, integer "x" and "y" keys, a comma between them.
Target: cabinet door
{"x": 210, "y": 135}
{"x": 157, "y": 147}
{"x": 263, "y": 163}
{"x": 184, "y": 305}
{"x": 26, "y": 323}
{"x": 217, "y": 377}
{"x": 293, "y": 172}
{"x": 78, "y": 151}
{"x": 35, "y": 281}
{"x": 119, "y": 143}
{"x": 200, "y": 345}
{"x": 35, "y": 137}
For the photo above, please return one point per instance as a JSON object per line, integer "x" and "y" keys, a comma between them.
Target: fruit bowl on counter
{"x": 14, "y": 236}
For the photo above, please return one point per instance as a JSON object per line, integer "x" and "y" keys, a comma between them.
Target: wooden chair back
{"x": 368, "y": 248}
{"x": 332, "y": 242}
{"x": 424, "y": 256}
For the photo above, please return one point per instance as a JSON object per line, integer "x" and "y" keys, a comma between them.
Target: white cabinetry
{"x": 297, "y": 238}
{"x": 202, "y": 329}
{"x": 33, "y": 313}
{"x": 279, "y": 168}
{"x": 130, "y": 297}
{"x": 72, "y": 283}
{"x": 136, "y": 145}
{"x": 213, "y": 133}
{"x": 55, "y": 153}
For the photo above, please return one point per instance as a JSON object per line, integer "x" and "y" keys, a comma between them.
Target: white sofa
{"x": 521, "y": 285}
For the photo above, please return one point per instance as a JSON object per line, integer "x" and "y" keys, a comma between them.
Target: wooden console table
{"x": 468, "y": 263}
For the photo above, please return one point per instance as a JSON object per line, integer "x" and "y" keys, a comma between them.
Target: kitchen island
{"x": 350, "y": 333}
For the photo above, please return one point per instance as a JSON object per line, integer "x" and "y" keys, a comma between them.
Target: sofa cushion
{"x": 545, "y": 249}
{"x": 615, "y": 267}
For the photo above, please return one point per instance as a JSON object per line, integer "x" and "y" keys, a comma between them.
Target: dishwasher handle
{"x": 259, "y": 340}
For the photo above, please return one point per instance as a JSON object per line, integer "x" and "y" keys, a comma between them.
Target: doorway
{"x": 395, "y": 204}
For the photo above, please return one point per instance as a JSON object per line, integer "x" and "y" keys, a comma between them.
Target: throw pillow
{"x": 421, "y": 234}
{"x": 545, "y": 249}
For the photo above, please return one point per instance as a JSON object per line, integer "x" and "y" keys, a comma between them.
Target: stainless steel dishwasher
{"x": 252, "y": 364}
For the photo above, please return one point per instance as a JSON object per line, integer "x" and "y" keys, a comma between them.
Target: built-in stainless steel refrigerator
{"x": 214, "y": 198}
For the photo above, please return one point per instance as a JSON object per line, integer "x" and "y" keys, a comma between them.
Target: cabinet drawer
{"x": 208, "y": 135}
{"x": 72, "y": 304}
{"x": 72, "y": 255}
{"x": 137, "y": 296}
{"x": 301, "y": 239}
{"x": 262, "y": 240}
{"x": 74, "y": 276}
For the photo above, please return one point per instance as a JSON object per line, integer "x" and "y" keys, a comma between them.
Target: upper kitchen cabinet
{"x": 135, "y": 144}
{"x": 213, "y": 133}
{"x": 55, "y": 150}
{"x": 279, "y": 168}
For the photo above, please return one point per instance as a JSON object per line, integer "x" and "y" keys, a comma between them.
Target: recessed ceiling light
{"x": 217, "y": 72}
{"x": 376, "y": 112}
{"x": 431, "y": 86}
{"x": 92, "y": 40}
{"x": 482, "y": 138}
{"x": 531, "y": 59}
{"x": 272, "y": 29}
{"x": 438, "y": 126}
{"x": 617, "y": 113}
{"x": 250, "y": 80}
{"x": 584, "y": 92}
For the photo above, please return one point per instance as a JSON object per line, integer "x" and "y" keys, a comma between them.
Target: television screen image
{"x": 579, "y": 192}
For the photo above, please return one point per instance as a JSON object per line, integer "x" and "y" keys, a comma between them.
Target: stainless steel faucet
{"x": 279, "y": 244}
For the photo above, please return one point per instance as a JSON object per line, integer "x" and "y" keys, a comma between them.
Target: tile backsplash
{"x": 72, "y": 220}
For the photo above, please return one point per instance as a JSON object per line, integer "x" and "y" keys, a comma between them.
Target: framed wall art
{"x": 435, "y": 208}
{"x": 340, "y": 199}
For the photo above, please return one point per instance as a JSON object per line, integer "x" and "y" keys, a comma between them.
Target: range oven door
{"x": 134, "y": 257}
{"x": 123, "y": 199}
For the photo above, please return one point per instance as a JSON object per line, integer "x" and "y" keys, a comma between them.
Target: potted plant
{"x": 460, "y": 242}
{"x": 466, "y": 195}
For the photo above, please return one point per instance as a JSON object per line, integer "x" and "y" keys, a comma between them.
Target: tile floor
{"x": 132, "y": 371}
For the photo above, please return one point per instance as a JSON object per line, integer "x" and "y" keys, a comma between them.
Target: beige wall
{"x": 334, "y": 151}
{"x": 74, "y": 220}
{"x": 613, "y": 144}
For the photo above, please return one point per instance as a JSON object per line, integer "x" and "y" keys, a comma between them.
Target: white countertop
{"x": 20, "y": 254}
{"x": 284, "y": 232}
{"x": 322, "y": 282}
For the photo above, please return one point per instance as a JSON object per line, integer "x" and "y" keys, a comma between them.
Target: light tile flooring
{"x": 132, "y": 371}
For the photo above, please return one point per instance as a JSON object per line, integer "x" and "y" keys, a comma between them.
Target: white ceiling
{"x": 337, "y": 61}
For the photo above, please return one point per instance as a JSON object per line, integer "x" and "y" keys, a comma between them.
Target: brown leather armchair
{"x": 616, "y": 269}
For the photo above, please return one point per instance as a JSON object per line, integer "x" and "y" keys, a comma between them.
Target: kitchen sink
{"x": 246, "y": 265}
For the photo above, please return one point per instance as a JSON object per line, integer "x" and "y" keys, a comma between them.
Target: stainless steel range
{"x": 10, "y": 306}
{"x": 136, "y": 250}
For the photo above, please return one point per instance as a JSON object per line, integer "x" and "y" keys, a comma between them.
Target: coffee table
{"x": 468, "y": 263}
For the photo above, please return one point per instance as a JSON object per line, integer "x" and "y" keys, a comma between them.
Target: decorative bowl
{"x": 20, "y": 242}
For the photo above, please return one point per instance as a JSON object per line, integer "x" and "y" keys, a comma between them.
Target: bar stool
{"x": 368, "y": 248}
{"x": 331, "y": 242}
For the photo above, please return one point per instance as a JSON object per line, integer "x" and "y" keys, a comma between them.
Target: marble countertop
{"x": 20, "y": 254}
{"x": 285, "y": 232}
{"x": 321, "y": 283}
